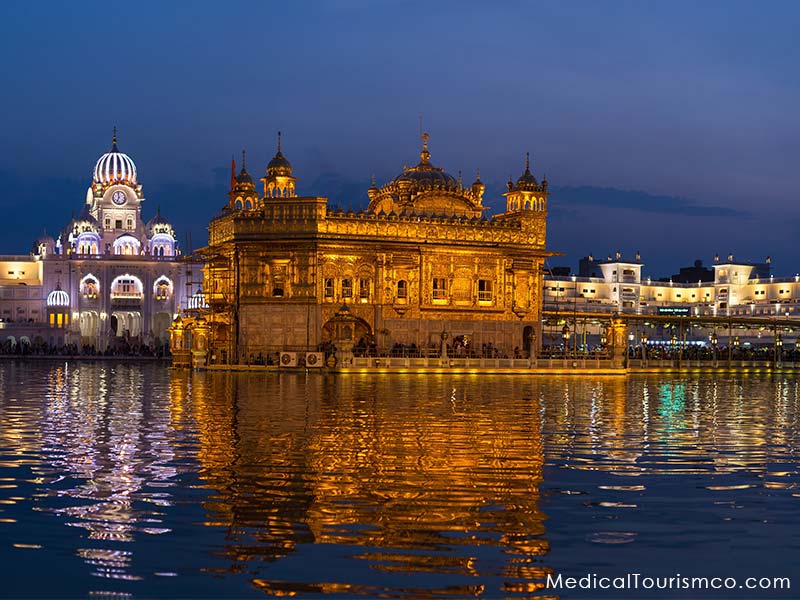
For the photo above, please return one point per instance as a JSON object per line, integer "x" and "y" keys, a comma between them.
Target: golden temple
{"x": 420, "y": 265}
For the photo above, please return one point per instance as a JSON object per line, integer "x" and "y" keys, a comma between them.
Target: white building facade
{"x": 737, "y": 290}
{"x": 108, "y": 280}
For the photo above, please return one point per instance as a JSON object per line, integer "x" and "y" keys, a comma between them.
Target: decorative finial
{"x": 425, "y": 155}
{"x": 279, "y": 141}
{"x": 459, "y": 178}
{"x": 373, "y": 180}
{"x": 244, "y": 159}
{"x": 527, "y": 162}
{"x": 478, "y": 174}
{"x": 114, "y": 140}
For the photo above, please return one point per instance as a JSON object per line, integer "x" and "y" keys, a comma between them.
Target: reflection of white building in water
{"x": 108, "y": 279}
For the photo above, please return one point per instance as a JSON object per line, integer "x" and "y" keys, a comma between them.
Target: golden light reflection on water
{"x": 422, "y": 478}
{"x": 409, "y": 486}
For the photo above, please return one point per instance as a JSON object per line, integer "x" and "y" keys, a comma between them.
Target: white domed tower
{"x": 115, "y": 200}
{"x": 44, "y": 245}
{"x": 161, "y": 236}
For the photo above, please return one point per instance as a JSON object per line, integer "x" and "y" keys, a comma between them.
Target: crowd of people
{"x": 44, "y": 349}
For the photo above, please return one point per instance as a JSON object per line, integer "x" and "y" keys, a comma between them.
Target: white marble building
{"x": 109, "y": 279}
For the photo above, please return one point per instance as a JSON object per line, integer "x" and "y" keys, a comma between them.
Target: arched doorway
{"x": 344, "y": 326}
{"x": 89, "y": 325}
{"x": 161, "y": 323}
{"x": 527, "y": 339}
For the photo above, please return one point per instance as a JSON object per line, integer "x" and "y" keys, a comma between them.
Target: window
{"x": 277, "y": 286}
{"x": 402, "y": 289}
{"x": 130, "y": 223}
{"x": 108, "y": 223}
{"x": 90, "y": 288}
{"x": 328, "y": 288}
{"x": 347, "y": 288}
{"x": 118, "y": 224}
{"x": 439, "y": 288}
{"x": 363, "y": 289}
{"x": 484, "y": 290}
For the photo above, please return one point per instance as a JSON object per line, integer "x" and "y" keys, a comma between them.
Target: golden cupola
{"x": 243, "y": 190}
{"x": 426, "y": 190}
{"x": 279, "y": 182}
{"x": 478, "y": 188}
{"x": 526, "y": 194}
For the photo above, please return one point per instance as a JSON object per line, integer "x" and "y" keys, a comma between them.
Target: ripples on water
{"x": 137, "y": 481}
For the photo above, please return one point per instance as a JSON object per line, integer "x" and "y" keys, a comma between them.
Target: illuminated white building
{"x": 109, "y": 278}
{"x": 618, "y": 287}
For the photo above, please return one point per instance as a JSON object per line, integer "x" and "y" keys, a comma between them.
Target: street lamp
{"x": 778, "y": 350}
{"x": 643, "y": 341}
{"x": 565, "y": 333}
{"x": 713, "y": 339}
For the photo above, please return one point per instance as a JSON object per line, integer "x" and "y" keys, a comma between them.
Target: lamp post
{"x": 713, "y": 339}
{"x": 643, "y": 341}
{"x": 630, "y": 349}
{"x": 565, "y": 333}
{"x": 673, "y": 342}
{"x": 778, "y": 350}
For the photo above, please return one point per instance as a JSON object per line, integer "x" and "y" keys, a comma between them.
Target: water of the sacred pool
{"x": 124, "y": 480}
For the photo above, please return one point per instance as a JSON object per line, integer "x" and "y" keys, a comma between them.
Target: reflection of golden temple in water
{"x": 354, "y": 470}
{"x": 411, "y": 486}
{"x": 421, "y": 472}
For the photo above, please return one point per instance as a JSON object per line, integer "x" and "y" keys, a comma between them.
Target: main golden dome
{"x": 425, "y": 190}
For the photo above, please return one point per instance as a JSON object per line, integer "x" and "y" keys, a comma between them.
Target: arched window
{"x": 90, "y": 287}
{"x": 162, "y": 288}
{"x": 402, "y": 289}
{"x": 238, "y": 204}
{"x": 347, "y": 288}
{"x": 127, "y": 286}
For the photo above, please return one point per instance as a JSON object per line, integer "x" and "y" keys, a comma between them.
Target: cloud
{"x": 636, "y": 200}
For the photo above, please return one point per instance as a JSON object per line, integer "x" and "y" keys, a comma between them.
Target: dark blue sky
{"x": 669, "y": 128}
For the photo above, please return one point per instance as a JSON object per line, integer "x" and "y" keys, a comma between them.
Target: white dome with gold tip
{"x": 115, "y": 167}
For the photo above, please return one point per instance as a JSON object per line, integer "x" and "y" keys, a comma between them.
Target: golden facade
{"x": 421, "y": 261}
